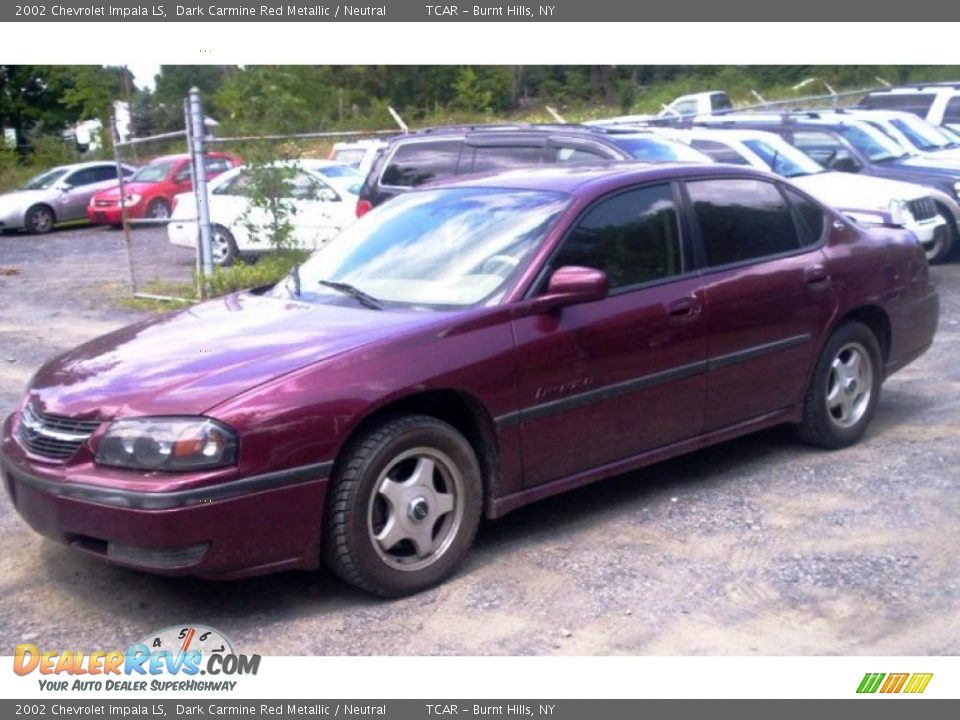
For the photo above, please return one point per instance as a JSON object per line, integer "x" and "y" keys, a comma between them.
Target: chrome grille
{"x": 53, "y": 436}
{"x": 922, "y": 209}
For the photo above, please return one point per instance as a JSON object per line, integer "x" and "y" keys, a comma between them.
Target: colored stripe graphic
{"x": 895, "y": 683}
{"x": 918, "y": 683}
{"x": 870, "y": 682}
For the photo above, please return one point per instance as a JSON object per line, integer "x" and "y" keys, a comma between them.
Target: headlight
{"x": 131, "y": 200}
{"x": 187, "y": 443}
{"x": 956, "y": 189}
{"x": 866, "y": 218}
{"x": 899, "y": 212}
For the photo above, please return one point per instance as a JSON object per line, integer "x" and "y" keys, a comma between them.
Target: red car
{"x": 461, "y": 351}
{"x": 151, "y": 189}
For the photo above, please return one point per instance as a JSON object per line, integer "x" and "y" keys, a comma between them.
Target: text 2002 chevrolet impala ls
{"x": 461, "y": 351}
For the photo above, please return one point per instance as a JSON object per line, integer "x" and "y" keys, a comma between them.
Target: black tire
{"x": 158, "y": 209}
{"x": 223, "y": 246}
{"x": 823, "y": 422}
{"x": 942, "y": 245}
{"x": 40, "y": 219}
{"x": 351, "y": 548}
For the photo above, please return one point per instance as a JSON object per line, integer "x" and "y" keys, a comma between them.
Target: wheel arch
{"x": 36, "y": 205}
{"x": 464, "y": 412}
{"x": 875, "y": 318}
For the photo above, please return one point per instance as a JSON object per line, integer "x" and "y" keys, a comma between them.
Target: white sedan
{"x": 319, "y": 196}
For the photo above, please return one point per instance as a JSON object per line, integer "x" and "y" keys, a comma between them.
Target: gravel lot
{"x": 758, "y": 546}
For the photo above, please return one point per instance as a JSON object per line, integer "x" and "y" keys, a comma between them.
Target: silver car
{"x": 56, "y": 195}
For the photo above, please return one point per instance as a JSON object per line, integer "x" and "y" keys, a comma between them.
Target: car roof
{"x": 573, "y": 178}
{"x": 594, "y": 131}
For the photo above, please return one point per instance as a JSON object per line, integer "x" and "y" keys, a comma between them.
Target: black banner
{"x": 458, "y": 12}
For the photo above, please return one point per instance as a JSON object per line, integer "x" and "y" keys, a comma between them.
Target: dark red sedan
{"x": 150, "y": 191}
{"x": 461, "y": 351}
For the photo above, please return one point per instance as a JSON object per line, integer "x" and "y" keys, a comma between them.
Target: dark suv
{"x": 436, "y": 153}
{"x": 848, "y": 144}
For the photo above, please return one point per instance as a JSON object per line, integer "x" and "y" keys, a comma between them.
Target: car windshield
{"x": 871, "y": 142}
{"x": 337, "y": 171}
{"x": 921, "y": 134}
{"x": 784, "y": 159}
{"x": 154, "y": 172}
{"x": 446, "y": 248}
{"x": 657, "y": 150}
{"x": 44, "y": 180}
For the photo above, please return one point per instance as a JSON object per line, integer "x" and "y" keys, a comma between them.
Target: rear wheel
{"x": 223, "y": 246}
{"x": 40, "y": 219}
{"x": 845, "y": 388}
{"x": 404, "y": 506}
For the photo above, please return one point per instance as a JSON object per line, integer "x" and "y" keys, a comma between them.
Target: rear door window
{"x": 492, "y": 158}
{"x": 951, "y": 115}
{"x": 416, "y": 163}
{"x": 742, "y": 219}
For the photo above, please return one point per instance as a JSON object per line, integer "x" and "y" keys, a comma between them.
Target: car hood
{"x": 931, "y": 166}
{"x": 185, "y": 363}
{"x": 858, "y": 191}
{"x": 23, "y": 198}
{"x": 130, "y": 188}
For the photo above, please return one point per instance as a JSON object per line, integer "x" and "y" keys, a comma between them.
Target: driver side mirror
{"x": 572, "y": 285}
{"x": 66, "y": 187}
{"x": 845, "y": 164}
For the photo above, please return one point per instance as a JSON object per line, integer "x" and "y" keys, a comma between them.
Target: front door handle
{"x": 684, "y": 309}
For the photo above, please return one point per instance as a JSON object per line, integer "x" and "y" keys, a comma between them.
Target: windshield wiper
{"x": 347, "y": 289}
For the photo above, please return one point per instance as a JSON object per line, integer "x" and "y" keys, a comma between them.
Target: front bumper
{"x": 242, "y": 527}
{"x": 105, "y": 215}
{"x": 183, "y": 233}
{"x": 926, "y": 230}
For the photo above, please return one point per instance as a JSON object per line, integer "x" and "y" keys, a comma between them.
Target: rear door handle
{"x": 684, "y": 309}
{"x": 816, "y": 276}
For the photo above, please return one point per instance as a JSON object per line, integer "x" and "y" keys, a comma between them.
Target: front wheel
{"x": 40, "y": 220}
{"x": 939, "y": 249}
{"x": 404, "y": 506}
{"x": 845, "y": 388}
{"x": 158, "y": 209}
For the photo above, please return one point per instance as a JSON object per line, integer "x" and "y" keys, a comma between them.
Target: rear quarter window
{"x": 417, "y": 163}
{"x": 916, "y": 103}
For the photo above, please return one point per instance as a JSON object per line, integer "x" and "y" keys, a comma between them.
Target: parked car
{"x": 851, "y": 145}
{"x": 868, "y": 200}
{"x": 359, "y": 154}
{"x": 938, "y": 103}
{"x": 438, "y": 153}
{"x": 462, "y": 351}
{"x": 912, "y": 133}
{"x": 713, "y": 102}
{"x": 319, "y": 194}
{"x": 150, "y": 191}
{"x": 57, "y": 195}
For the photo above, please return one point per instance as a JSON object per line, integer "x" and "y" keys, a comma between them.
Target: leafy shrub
{"x": 267, "y": 270}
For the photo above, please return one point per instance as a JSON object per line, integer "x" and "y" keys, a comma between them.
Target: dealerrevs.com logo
{"x": 909, "y": 683}
{"x": 182, "y": 652}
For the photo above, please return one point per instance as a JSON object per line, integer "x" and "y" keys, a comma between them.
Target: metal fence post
{"x": 198, "y": 150}
{"x": 127, "y": 240}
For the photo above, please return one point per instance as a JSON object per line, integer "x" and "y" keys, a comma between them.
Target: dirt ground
{"x": 758, "y": 546}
